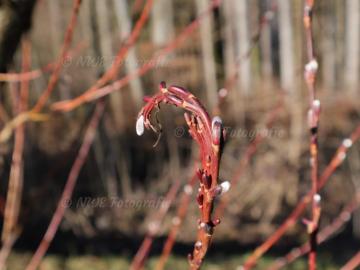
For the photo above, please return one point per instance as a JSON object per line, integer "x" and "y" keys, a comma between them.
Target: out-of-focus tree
{"x": 124, "y": 24}
{"x": 207, "y": 49}
{"x": 352, "y": 45}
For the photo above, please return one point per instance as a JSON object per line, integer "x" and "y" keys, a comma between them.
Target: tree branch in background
{"x": 335, "y": 162}
{"x": 10, "y": 229}
{"x": 176, "y": 222}
{"x": 313, "y": 122}
{"x": 60, "y": 62}
{"x": 352, "y": 263}
{"x": 94, "y": 93}
{"x": 69, "y": 187}
{"x": 324, "y": 234}
{"x": 153, "y": 228}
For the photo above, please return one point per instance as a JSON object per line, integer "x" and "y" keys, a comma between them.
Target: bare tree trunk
{"x": 229, "y": 39}
{"x": 162, "y": 30}
{"x": 131, "y": 62}
{"x": 243, "y": 44}
{"x": 57, "y": 38}
{"x": 266, "y": 44}
{"x": 328, "y": 46}
{"x": 208, "y": 58}
{"x": 287, "y": 74}
{"x": 352, "y": 46}
{"x": 107, "y": 55}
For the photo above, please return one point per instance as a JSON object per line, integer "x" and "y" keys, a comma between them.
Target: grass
{"x": 18, "y": 261}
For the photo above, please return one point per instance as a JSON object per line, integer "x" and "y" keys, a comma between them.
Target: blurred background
{"x": 244, "y": 60}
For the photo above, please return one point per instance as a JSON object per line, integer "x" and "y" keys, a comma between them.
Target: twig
{"x": 69, "y": 187}
{"x": 13, "y": 201}
{"x": 335, "y": 162}
{"x": 36, "y": 73}
{"x": 313, "y": 121}
{"x": 353, "y": 263}
{"x": 58, "y": 66}
{"x": 88, "y": 96}
{"x": 176, "y": 222}
{"x": 153, "y": 228}
{"x": 323, "y": 235}
{"x": 249, "y": 152}
{"x": 210, "y": 138}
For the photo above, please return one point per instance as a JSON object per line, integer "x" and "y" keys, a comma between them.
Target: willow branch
{"x": 94, "y": 93}
{"x": 69, "y": 188}
{"x": 335, "y": 162}
{"x": 210, "y": 137}
{"x": 324, "y": 234}
{"x": 153, "y": 229}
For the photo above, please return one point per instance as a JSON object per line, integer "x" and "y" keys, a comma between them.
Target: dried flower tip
{"x": 223, "y": 92}
{"x": 188, "y": 189}
{"x": 199, "y": 174}
{"x": 225, "y": 186}
{"x": 140, "y": 125}
{"x": 198, "y": 245}
{"x": 190, "y": 257}
{"x": 312, "y": 66}
{"x": 317, "y": 198}
{"x": 347, "y": 143}
{"x": 176, "y": 221}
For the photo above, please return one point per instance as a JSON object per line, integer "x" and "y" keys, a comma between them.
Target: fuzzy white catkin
{"x": 140, "y": 125}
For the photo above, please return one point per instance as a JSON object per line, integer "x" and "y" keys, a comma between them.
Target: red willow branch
{"x": 352, "y": 263}
{"x": 58, "y": 66}
{"x": 185, "y": 199}
{"x": 36, "y": 73}
{"x": 94, "y": 93}
{"x": 176, "y": 222}
{"x": 69, "y": 187}
{"x": 209, "y": 135}
{"x": 335, "y": 162}
{"x": 324, "y": 234}
{"x": 112, "y": 71}
{"x": 14, "y": 194}
{"x": 153, "y": 228}
{"x": 313, "y": 121}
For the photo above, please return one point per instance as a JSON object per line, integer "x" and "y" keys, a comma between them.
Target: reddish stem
{"x": 69, "y": 188}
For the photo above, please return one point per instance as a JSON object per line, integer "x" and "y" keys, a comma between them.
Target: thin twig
{"x": 14, "y": 195}
{"x": 324, "y": 234}
{"x": 69, "y": 187}
{"x": 176, "y": 222}
{"x": 153, "y": 228}
{"x": 88, "y": 96}
{"x": 36, "y": 73}
{"x": 313, "y": 121}
{"x": 352, "y": 263}
{"x": 60, "y": 62}
{"x": 335, "y": 162}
